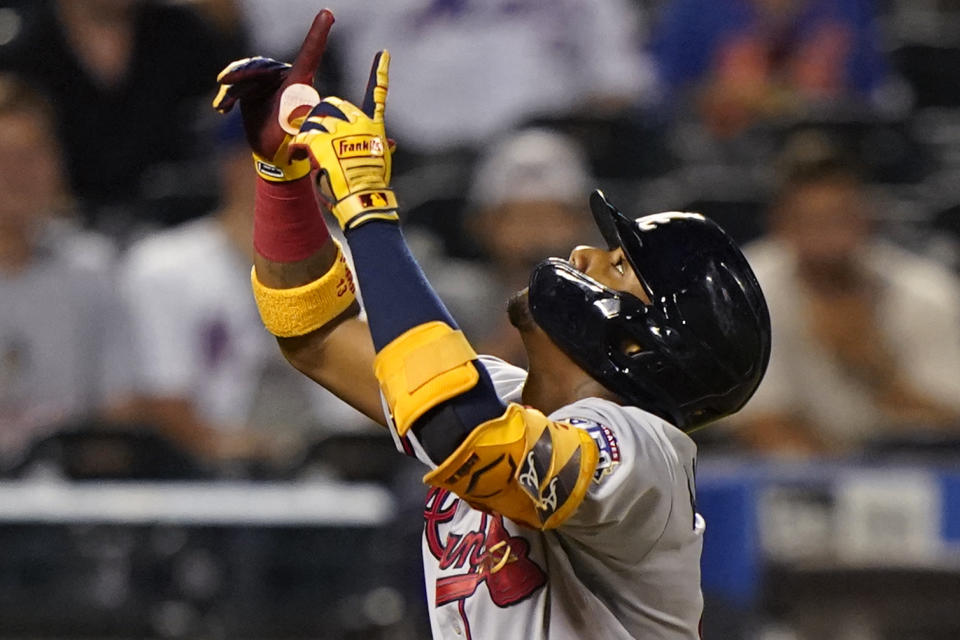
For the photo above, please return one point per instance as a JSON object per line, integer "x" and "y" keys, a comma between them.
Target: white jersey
{"x": 918, "y": 318}
{"x": 626, "y": 565}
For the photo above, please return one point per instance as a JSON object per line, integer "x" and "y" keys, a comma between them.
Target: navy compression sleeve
{"x": 397, "y": 297}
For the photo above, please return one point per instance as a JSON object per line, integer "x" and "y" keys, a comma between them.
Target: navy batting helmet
{"x": 698, "y": 352}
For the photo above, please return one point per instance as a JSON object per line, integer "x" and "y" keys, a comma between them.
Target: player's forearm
{"x": 286, "y": 275}
{"x": 293, "y": 245}
{"x": 339, "y": 358}
{"x": 400, "y": 302}
{"x": 396, "y": 292}
{"x": 293, "y": 248}
{"x": 307, "y": 353}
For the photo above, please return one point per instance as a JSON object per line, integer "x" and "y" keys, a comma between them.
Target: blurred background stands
{"x": 131, "y": 83}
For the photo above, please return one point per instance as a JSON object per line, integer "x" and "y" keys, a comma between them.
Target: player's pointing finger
{"x": 311, "y": 51}
{"x": 375, "y": 98}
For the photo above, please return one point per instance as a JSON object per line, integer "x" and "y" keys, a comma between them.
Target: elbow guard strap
{"x": 523, "y": 466}
{"x": 423, "y": 367}
{"x": 298, "y": 311}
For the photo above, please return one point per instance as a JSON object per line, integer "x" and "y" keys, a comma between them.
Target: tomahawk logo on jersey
{"x": 487, "y": 555}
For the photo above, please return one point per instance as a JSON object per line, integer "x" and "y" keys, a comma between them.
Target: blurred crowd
{"x": 824, "y": 135}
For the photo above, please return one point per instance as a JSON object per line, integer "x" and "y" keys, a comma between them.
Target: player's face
{"x": 610, "y": 268}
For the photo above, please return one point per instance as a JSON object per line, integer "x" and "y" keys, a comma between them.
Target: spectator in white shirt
{"x": 63, "y": 349}
{"x": 207, "y": 372}
{"x": 866, "y": 337}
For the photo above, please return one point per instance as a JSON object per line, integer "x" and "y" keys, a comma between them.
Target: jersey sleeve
{"x": 644, "y": 467}
{"x": 507, "y": 379}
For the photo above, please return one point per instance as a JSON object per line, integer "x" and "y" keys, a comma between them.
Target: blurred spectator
{"x": 206, "y": 370}
{"x": 63, "y": 353}
{"x": 528, "y": 202}
{"x": 866, "y": 338}
{"x": 746, "y": 60}
{"x": 500, "y": 61}
{"x": 126, "y": 78}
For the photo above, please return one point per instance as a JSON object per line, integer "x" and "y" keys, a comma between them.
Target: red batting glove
{"x": 274, "y": 98}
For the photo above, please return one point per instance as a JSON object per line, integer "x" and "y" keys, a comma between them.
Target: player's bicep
{"x": 341, "y": 360}
{"x": 522, "y": 465}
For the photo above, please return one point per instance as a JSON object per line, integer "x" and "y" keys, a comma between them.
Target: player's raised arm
{"x": 303, "y": 286}
{"x": 442, "y": 403}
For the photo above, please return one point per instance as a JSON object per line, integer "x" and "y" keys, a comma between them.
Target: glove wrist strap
{"x": 281, "y": 172}
{"x": 362, "y": 207}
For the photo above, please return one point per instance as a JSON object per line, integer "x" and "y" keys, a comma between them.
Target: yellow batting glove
{"x": 349, "y": 145}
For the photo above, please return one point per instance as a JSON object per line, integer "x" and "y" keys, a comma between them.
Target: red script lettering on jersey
{"x": 489, "y": 555}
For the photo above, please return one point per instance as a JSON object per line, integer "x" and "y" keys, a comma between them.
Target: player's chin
{"x": 518, "y": 311}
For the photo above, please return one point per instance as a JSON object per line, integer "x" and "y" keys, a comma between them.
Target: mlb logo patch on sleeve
{"x": 606, "y": 442}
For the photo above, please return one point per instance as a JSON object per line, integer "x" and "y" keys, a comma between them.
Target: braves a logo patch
{"x": 607, "y": 444}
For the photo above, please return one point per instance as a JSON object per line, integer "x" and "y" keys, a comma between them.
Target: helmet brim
{"x": 617, "y": 231}
{"x": 607, "y": 218}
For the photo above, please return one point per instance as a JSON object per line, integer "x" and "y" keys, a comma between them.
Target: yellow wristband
{"x": 298, "y": 311}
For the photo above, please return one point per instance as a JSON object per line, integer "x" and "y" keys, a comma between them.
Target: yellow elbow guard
{"x": 298, "y": 311}
{"x": 423, "y": 367}
{"x": 523, "y": 466}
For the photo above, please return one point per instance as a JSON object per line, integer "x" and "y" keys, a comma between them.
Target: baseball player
{"x": 561, "y": 501}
